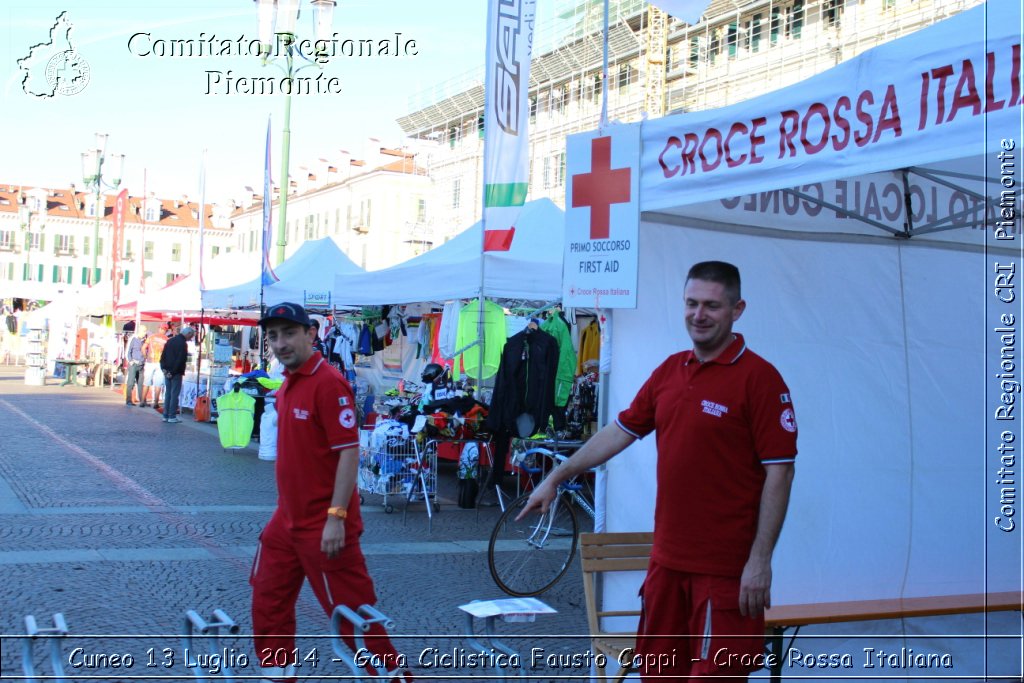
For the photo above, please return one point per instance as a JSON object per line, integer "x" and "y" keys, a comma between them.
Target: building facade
{"x": 393, "y": 204}
{"x": 375, "y": 208}
{"x": 657, "y": 66}
{"x": 49, "y": 237}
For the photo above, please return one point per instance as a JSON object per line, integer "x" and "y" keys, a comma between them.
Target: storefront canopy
{"x": 530, "y": 269}
{"x": 306, "y": 277}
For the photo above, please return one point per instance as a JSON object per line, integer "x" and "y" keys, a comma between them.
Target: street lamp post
{"x": 25, "y": 214}
{"x": 92, "y": 175}
{"x": 277, "y": 21}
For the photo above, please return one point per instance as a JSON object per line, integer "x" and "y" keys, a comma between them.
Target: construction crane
{"x": 657, "y": 51}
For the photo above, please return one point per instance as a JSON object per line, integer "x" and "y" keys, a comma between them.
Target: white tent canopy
{"x": 184, "y": 295}
{"x": 306, "y": 277}
{"x": 530, "y": 269}
{"x": 870, "y": 270}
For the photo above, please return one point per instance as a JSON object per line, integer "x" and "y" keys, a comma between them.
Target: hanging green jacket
{"x": 557, "y": 328}
{"x": 494, "y": 339}
{"x": 235, "y": 419}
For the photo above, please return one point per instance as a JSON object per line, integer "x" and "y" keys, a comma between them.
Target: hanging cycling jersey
{"x": 235, "y": 419}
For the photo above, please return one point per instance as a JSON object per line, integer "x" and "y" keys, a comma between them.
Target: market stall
{"x": 74, "y": 326}
{"x": 435, "y": 297}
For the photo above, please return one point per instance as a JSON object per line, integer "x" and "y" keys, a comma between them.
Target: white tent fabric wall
{"x": 531, "y": 269}
{"x": 890, "y": 494}
{"x": 887, "y": 344}
{"x": 307, "y": 276}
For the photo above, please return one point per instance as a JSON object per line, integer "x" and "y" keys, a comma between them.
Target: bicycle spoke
{"x": 530, "y": 556}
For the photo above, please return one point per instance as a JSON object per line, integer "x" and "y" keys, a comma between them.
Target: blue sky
{"x": 157, "y": 110}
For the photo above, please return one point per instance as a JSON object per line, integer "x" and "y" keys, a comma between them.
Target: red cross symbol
{"x": 600, "y": 188}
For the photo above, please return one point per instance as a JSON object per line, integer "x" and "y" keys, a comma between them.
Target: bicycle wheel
{"x": 529, "y": 556}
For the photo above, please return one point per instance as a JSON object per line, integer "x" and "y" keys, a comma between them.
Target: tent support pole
{"x": 908, "y": 204}
{"x": 953, "y": 186}
{"x": 604, "y": 376}
{"x": 844, "y": 212}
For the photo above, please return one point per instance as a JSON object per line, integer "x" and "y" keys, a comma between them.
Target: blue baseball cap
{"x": 286, "y": 311}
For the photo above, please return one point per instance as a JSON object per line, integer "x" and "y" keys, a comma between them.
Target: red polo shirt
{"x": 718, "y": 424}
{"x": 316, "y": 419}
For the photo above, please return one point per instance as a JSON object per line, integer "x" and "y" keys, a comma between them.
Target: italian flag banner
{"x": 506, "y": 118}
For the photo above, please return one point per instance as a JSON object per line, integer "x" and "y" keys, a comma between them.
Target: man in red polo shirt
{"x": 726, "y": 439}
{"x": 314, "y": 532}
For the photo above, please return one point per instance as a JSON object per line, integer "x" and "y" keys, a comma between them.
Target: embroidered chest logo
{"x": 300, "y": 413}
{"x": 712, "y": 408}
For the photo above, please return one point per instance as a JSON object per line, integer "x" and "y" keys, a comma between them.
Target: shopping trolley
{"x": 394, "y": 462}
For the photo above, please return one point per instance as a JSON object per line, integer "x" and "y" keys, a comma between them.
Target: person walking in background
{"x": 318, "y": 343}
{"x": 135, "y": 359}
{"x": 173, "y": 362}
{"x": 726, "y": 441}
{"x": 153, "y": 376}
{"x": 314, "y": 532}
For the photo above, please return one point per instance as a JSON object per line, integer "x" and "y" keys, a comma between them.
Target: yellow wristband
{"x": 339, "y": 512}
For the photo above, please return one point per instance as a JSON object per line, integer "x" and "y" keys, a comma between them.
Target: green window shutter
{"x": 56, "y": 270}
{"x": 24, "y": 271}
{"x": 99, "y": 246}
{"x": 70, "y": 269}
{"x": 42, "y": 242}
{"x": 39, "y": 271}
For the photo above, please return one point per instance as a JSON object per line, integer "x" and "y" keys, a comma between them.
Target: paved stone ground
{"x": 123, "y": 523}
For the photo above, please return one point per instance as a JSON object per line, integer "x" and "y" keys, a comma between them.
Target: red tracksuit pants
{"x": 691, "y": 627}
{"x": 282, "y": 561}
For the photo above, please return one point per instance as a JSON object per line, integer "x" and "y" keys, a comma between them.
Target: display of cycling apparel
{"x": 236, "y": 415}
{"x": 449, "y": 334}
{"x": 345, "y": 337}
{"x": 493, "y": 341}
{"x": 558, "y": 328}
{"x": 590, "y": 348}
{"x": 524, "y": 390}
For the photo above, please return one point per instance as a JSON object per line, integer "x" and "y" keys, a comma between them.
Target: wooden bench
{"x": 600, "y": 554}
{"x": 611, "y": 552}
{"x": 778, "y": 619}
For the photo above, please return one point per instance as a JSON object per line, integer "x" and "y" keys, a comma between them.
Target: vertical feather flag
{"x": 506, "y": 118}
{"x": 268, "y": 276}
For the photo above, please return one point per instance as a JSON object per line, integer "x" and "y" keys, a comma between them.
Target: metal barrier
{"x": 55, "y": 635}
{"x": 211, "y": 631}
{"x": 362, "y": 621}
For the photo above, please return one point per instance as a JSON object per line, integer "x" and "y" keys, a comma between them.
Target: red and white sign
{"x": 902, "y": 104}
{"x": 602, "y": 218}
